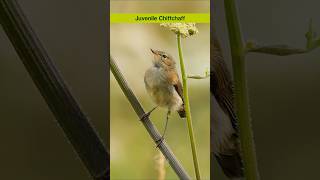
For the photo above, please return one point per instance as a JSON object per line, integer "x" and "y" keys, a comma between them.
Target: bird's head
{"x": 162, "y": 59}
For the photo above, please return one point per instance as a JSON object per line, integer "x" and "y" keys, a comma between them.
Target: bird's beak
{"x": 152, "y": 51}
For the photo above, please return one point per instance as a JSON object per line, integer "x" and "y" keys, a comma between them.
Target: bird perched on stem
{"x": 163, "y": 85}
{"x": 224, "y": 131}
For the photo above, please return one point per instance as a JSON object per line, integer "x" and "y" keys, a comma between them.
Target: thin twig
{"x": 52, "y": 87}
{"x": 153, "y": 132}
{"x": 313, "y": 42}
{"x": 279, "y": 50}
{"x": 193, "y": 76}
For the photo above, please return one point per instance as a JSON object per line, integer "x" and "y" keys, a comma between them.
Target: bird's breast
{"x": 161, "y": 91}
{"x": 155, "y": 77}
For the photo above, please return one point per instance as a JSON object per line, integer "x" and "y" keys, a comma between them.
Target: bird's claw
{"x": 145, "y": 116}
{"x": 159, "y": 141}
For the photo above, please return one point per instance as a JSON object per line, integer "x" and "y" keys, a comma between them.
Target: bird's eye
{"x": 164, "y": 56}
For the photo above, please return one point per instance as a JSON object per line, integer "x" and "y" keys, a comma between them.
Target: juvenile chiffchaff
{"x": 163, "y": 84}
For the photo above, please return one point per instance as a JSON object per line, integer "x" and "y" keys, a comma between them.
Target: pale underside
{"x": 161, "y": 91}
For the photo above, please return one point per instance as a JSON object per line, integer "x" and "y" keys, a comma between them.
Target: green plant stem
{"x": 153, "y": 132}
{"x": 241, "y": 93}
{"x": 313, "y": 42}
{"x": 279, "y": 50}
{"x": 193, "y": 76}
{"x": 187, "y": 109}
{"x": 54, "y": 90}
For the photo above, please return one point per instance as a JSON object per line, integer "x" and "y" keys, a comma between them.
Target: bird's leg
{"x": 146, "y": 115}
{"x": 159, "y": 141}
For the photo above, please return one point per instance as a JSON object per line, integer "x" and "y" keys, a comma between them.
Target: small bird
{"x": 163, "y": 85}
{"x": 224, "y": 131}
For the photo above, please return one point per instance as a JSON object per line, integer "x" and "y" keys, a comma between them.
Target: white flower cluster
{"x": 184, "y": 29}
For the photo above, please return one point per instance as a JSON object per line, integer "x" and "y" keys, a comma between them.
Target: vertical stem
{"x": 187, "y": 109}
{"x": 241, "y": 93}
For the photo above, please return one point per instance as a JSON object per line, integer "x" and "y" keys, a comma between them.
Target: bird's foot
{"x": 159, "y": 141}
{"x": 145, "y": 116}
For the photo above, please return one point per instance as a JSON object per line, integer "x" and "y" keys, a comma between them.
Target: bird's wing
{"x": 222, "y": 86}
{"x": 175, "y": 81}
{"x": 178, "y": 88}
{"x": 173, "y": 78}
{"x": 225, "y": 100}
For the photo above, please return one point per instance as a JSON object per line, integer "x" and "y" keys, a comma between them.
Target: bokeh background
{"x": 284, "y": 91}
{"x": 33, "y": 146}
{"x": 132, "y": 150}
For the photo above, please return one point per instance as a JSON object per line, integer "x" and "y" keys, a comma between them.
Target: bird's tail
{"x": 231, "y": 165}
{"x": 182, "y": 112}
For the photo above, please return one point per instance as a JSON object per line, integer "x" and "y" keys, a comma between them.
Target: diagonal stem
{"x": 52, "y": 87}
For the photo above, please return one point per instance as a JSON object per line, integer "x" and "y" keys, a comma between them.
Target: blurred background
{"x": 33, "y": 146}
{"x": 133, "y": 152}
{"x": 159, "y": 6}
{"x": 283, "y": 91}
